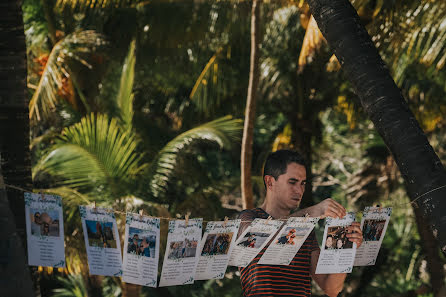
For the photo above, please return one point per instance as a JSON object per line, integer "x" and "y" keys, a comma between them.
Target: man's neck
{"x": 274, "y": 210}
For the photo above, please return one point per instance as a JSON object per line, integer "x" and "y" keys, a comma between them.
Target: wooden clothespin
{"x": 225, "y": 221}
{"x": 43, "y": 196}
{"x": 141, "y": 213}
{"x": 379, "y": 208}
{"x": 186, "y": 217}
{"x": 307, "y": 217}
{"x": 94, "y": 206}
{"x": 269, "y": 219}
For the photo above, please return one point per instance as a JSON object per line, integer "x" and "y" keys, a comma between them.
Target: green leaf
{"x": 72, "y": 286}
{"x": 72, "y": 47}
{"x": 92, "y": 153}
{"x": 125, "y": 96}
{"x": 224, "y": 132}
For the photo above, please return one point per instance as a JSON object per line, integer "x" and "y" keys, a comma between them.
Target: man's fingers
{"x": 337, "y": 208}
{"x": 355, "y": 227}
{"x": 332, "y": 213}
{"x": 340, "y": 207}
{"x": 354, "y": 236}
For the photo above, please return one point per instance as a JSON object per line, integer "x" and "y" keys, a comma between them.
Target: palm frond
{"x": 413, "y": 33}
{"x": 313, "y": 40}
{"x": 72, "y": 47}
{"x": 125, "y": 95}
{"x": 224, "y": 132}
{"x": 72, "y": 286}
{"x": 210, "y": 86}
{"x": 92, "y": 153}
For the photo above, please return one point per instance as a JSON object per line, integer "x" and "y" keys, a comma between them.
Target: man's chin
{"x": 296, "y": 204}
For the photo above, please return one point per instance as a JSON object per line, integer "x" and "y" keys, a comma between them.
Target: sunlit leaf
{"x": 125, "y": 96}
{"x": 93, "y": 153}
{"x": 73, "y": 47}
{"x": 313, "y": 40}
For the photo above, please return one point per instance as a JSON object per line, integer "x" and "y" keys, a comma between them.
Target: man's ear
{"x": 269, "y": 180}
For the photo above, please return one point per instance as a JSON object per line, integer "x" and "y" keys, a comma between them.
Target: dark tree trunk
{"x": 301, "y": 139}
{"x": 430, "y": 249}
{"x": 248, "y": 129}
{"x": 383, "y": 102}
{"x": 14, "y": 152}
{"x": 131, "y": 290}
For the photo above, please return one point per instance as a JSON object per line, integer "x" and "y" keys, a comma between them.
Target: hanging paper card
{"x": 373, "y": 225}
{"x": 180, "y": 260}
{"x": 141, "y": 250}
{"x": 337, "y": 253}
{"x": 44, "y": 229}
{"x": 101, "y": 241}
{"x": 288, "y": 241}
{"x": 252, "y": 241}
{"x": 215, "y": 248}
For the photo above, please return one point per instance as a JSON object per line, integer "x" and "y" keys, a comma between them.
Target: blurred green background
{"x": 140, "y": 105}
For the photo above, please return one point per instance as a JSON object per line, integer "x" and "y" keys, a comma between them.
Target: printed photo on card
{"x": 253, "y": 240}
{"x": 215, "y": 248}
{"x": 141, "y": 250}
{"x": 101, "y": 241}
{"x": 180, "y": 259}
{"x": 288, "y": 241}
{"x": 337, "y": 252}
{"x": 44, "y": 229}
{"x": 373, "y": 225}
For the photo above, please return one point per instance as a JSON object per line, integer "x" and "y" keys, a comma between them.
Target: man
{"x": 329, "y": 242}
{"x": 285, "y": 177}
{"x": 133, "y": 246}
{"x": 145, "y": 247}
{"x": 36, "y": 224}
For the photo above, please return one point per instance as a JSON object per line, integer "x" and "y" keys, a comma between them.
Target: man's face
{"x": 289, "y": 187}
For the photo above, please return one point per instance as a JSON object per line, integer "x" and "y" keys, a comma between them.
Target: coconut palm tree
{"x": 14, "y": 151}
{"x": 383, "y": 102}
{"x": 101, "y": 158}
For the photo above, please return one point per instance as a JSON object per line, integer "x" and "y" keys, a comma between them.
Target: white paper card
{"x": 141, "y": 250}
{"x": 373, "y": 225}
{"x": 101, "y": 241}
{"x": 288, "y": 241}
{"x": 253, "y": 240}
{"x": 337, "y": 252}
{"x": 215, "y": 248}
{"x": 180, "y": 260}
{"x": 44, "y": 230}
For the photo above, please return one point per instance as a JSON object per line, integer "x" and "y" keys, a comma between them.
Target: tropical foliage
{"x": 138, "y": 105}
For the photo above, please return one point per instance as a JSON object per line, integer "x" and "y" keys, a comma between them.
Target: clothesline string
{"x": 166, "y": 218}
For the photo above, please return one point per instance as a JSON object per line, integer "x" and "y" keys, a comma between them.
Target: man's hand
{"x": 354, "y": 233}
{"x": 328, "y": 208}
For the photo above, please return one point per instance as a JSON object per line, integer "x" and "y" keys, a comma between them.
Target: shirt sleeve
{"x": 246, "y": 216}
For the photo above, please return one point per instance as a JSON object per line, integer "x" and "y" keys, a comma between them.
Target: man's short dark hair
{"x": 277, "y": 162}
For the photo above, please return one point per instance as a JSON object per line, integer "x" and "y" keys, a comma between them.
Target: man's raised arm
{"x": 326, "y": 208}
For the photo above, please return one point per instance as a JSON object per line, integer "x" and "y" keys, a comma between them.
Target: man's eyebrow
{"x": 296, "y": 180}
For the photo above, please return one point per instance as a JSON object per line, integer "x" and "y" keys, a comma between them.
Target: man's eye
{"x": 304, "y": 183}
{"x": 292, "y": 182}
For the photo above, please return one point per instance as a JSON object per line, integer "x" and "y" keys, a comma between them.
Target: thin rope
{"x": 204, "y": 221}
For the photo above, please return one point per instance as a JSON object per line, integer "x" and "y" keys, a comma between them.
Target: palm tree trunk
{"x": 430, "y": 248}
{"x": 14, "y": 152}
{"x": 383, "y": 102}
{"x": 130, "y": 290}
{"x": 248, "y": 129}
